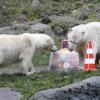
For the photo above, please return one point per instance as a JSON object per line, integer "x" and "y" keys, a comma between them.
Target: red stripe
{"x": 89, "y": 56}
{"x": 89, "y": 45}
{"x": 89, "y": 67}
{"x": 86, "y": 67}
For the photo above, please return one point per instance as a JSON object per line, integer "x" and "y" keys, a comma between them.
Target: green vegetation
{"x": 12, "y": 10}
{"x": 28, "y": 85}
{"x": 17, "y": 10}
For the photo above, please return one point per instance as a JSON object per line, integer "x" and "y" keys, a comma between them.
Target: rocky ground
{"x": 88, "y": 89}
{"x": 18, "y": 17}
{"x": 14, "y": 70}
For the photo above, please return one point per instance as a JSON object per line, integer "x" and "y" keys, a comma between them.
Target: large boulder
{"x": 81, "y": 13}
{"x": 41, "y": 28}
{"x": 45, "y": 20}
{"x": 61, "y": 24}
{"x": 5, "y": 30}
{"x": 15, "y": 29}
{"x": 96, "y": 9}
{"x": 32, "y": 27}
{"x": 8, "y": 94}
{"x": 88, "y": 89}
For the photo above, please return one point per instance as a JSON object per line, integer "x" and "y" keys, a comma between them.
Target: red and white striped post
{"x": 89, "y": 63}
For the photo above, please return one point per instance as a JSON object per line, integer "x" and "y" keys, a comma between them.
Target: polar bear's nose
{"x": 71, "y": 49}
{"x": 54, "y": 48}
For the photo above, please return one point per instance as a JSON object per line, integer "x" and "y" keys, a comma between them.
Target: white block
{"x": 89, "y": 51}
{"x": 89, "y": 61}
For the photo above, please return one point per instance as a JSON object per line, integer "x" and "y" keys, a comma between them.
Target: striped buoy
{"x": 89, "y": 63}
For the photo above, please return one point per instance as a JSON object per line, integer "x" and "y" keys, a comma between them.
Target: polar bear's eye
{"x": 73, "y": 42}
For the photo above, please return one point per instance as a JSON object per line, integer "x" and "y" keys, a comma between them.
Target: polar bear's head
{"x": 77, "y": 36}
{"x": 51, "y": 45}
{"x": 43, "y": 41}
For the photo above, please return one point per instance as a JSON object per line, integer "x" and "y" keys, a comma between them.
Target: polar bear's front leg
{"x": 31, "y": 69}
{"x": 26, "y": 56}
{"x": 27, "y": 66}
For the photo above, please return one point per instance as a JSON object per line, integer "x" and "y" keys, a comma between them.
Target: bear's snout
{"x": 54, "y": 48}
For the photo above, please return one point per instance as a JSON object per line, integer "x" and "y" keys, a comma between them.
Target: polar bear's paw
{"x": 29, "y": 73}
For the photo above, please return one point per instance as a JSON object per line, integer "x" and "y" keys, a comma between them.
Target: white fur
{"x": 80, "y": 35}
{"x": 21, "y": 48}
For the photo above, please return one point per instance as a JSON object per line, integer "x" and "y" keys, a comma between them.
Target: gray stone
{"x": 87, "y": 1}
{"x": 9, "y": 94}
{"x": 22, "y": 18}
{"x": 46, "y": 20}
{"x": 29, "y": 27}
{"x": 63, "y": 22}
{"x": 20, "y": 26}
{"x": 41, "y": 28}
{"x": 88, "y": 89}
{"x": 16, "y": 69}
{"x": 5, "y": 30}
{"x": 36, "y": 5}
{"x": 57, "y": 30}
{"x": 15, "y": 28}
{"x": 81, "y": 13}
{"x": 98, "y": 15}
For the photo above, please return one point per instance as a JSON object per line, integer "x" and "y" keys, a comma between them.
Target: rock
{"x": 57, "y": 0}
{"x": 5, "y": 30}
{"x": 28, "y": 27}
{"x": 58, "y": 30}
{"x": 98, "y": 15}
{"x": 63, "y": 23}
{"x": 88, "y": 89}
{"x": 8, "y": 94}
{"x": 81, "y": 13}
{"x": 36, "y": 5}
{"x": 41, "y": 28}
{"x": 13, "y": 69}
{"x": 15, "y": 29}
{"x": 96, "y": 8}
{"x": 20, "y": 26}
{"x": 87, "y": 1}
{"x": 22, "y": 18}
{"x": 46, "y": 20}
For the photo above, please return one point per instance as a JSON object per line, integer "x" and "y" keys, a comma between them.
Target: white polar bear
{"x": 15, "y": 48}
{"x": 79, "y": 35}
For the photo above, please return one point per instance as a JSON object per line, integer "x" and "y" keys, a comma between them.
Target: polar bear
{"x": 21, "y": 48}
{"x": 79, "y": 35}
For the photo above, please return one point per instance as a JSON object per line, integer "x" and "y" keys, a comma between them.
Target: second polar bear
{"x": 79, "y": 35}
